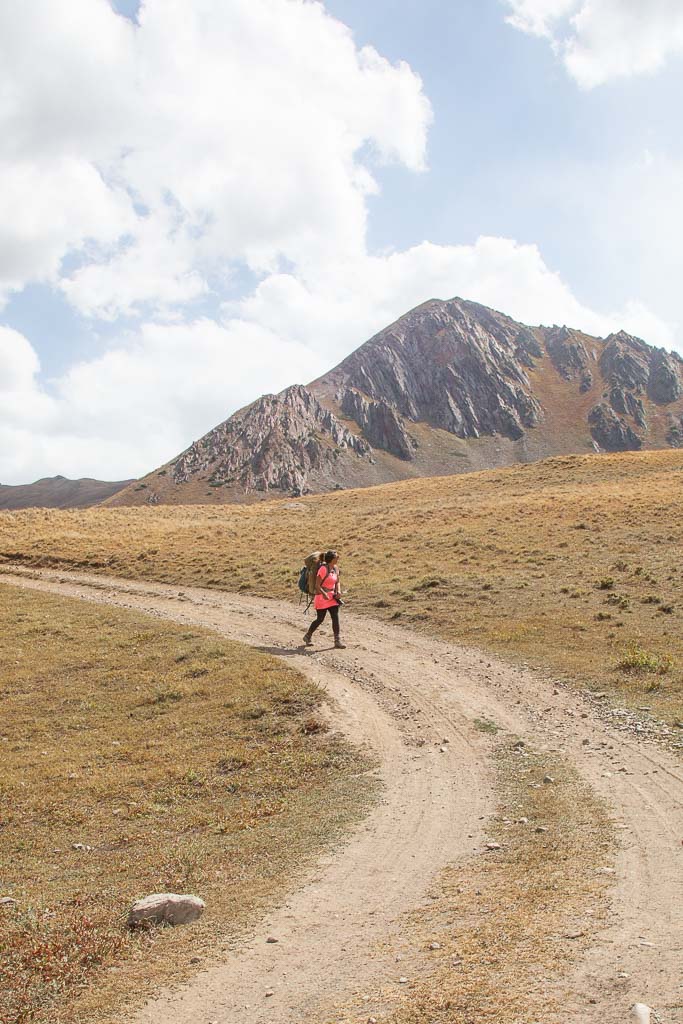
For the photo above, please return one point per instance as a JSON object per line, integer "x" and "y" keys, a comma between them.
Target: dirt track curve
{"x": 393, "y": 688}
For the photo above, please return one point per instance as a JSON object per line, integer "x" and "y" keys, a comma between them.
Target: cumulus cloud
{"x": 211, "y": 133}
{"x": 600, "y": 40}
{"x": 334, "y": 313}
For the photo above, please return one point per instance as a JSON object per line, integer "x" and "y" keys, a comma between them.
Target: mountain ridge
{"x": 450, "y": 386}
{"x": 59, "y": 492}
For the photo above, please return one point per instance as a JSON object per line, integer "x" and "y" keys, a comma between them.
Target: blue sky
{"x": 204, "y": 203}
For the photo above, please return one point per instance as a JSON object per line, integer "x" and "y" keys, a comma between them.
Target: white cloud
{"x": 539, "y": 17}
{"x": 217, "y": 132}
{"x": 19, "y": 364}
{"x": 334, "y": 313}
{"x": 600, "y": 40}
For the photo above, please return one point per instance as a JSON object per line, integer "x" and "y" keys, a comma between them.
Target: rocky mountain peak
{"x": 450, "y": 386}
{"x": 456, "y": 365}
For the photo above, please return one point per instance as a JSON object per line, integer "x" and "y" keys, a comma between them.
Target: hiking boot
{"x": 307, "y": 639}
{"x": 339, "y": 644}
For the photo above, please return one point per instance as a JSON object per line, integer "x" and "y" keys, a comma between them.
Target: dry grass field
{"x": 140, "y": 756}
{"x": 573, "y": 564}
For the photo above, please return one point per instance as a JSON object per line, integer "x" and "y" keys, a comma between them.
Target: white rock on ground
{"x": 166, "y": 908}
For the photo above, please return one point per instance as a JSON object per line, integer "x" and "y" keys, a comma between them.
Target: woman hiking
{"x": 327, "y": 598}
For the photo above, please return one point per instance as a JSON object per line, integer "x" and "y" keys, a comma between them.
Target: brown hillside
{"x": 58, "y": 492}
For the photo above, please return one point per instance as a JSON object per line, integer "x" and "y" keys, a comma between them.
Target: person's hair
{"x": 329, "y": 555}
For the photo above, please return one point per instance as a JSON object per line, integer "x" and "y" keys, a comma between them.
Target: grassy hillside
{"x": 178, "y": 761}
{"x": 575, "y": 563}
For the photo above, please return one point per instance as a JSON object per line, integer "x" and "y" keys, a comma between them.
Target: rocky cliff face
{"x": 454, "y": 365}
{"x": 612, "y": 433}
{"x": 569, "y": 356}
{"x": 278, "y": 443}
{"x": 381, "y": 423}
{"x": 450, "y": 386}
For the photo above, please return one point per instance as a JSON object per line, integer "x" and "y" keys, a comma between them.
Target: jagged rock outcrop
{"x": 629, "y": 363}
{"x": 569, "y": 356}
{"x": 625, "y": 362}
{"x": 380, "y": 423}
{"x": 273, "y": 444}
{"x": 666, "y": 381}
{"x": 454, "y": 365}
{"x": 611, "y": 432}
{"x": 626, "y": 403}
{"x": 674, "y": 434}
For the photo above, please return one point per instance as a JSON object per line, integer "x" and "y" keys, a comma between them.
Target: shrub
{"x": 607, "y": 583}
{"x": 637, "y": 659}
{"x": 617, "y": 601}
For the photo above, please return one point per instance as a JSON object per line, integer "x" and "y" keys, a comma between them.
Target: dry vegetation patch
{"x": 140, "y": 756}
{"x": 503, "y": 933}
{"x": 565, "y": 564}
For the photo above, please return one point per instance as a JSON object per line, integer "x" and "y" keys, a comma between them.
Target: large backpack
{"x": 309, "y": 572}
{"x": 308, "y": 576}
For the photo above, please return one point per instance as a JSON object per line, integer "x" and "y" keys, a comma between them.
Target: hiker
{"x": 327, "y": 598}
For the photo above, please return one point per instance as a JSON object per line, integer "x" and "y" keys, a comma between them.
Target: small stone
{"x": 522, "y": 821}
{"x": 493, "y": 846}
{"x": 7, "y": 901}
{"x": 574, "y": 935}
{"x": 540, "y": 829}
{"x": 443, "y": 750}
{"x": 166, "y": 908}
{"x": 271, "y": 938}
{"x": 195, "y": 960}
{"x": 269, "y": 992}
{"x": 435, "y": 945}
{"x": 81, "y": 846}
{"x": 403, "y": 981}
{"x": 548, "y": 779}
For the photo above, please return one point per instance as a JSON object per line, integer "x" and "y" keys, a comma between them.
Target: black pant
{"x": 320, "y": 615}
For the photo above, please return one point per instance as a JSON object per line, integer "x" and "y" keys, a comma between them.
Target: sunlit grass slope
{"x": 138, "y": 757}
{"x": 574, "y": 563}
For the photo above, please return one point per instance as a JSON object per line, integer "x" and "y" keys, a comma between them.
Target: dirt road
{"x": 415, "y": 700}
